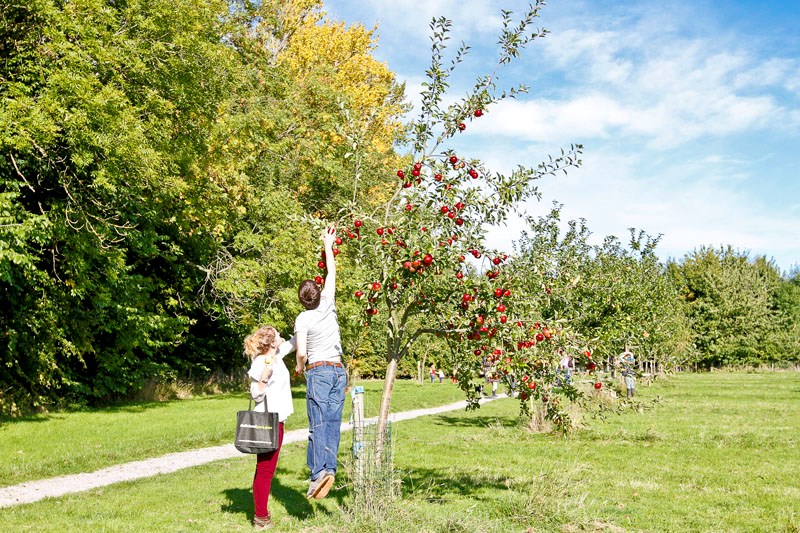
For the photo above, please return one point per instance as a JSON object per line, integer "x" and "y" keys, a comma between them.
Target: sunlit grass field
{"x": 718, "y": 453}
{"x": 69, "y": 443}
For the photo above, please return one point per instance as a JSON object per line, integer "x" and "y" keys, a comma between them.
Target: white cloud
{"x": 691, "y": 204}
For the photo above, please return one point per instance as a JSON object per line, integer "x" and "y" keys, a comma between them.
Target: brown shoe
{"x": 319, "y": 489}
{"x": 260, "y": 524}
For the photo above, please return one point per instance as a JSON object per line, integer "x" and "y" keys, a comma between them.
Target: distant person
{"x": 490, "y": 374}
{"x": 269, "y": 380}
{"x": 628, "y": 373}
{"x": 440, "y": 373}
{"x": 566, "y": 364}
{"x": 319, "y": 355}
{"x": 432, "y": 373}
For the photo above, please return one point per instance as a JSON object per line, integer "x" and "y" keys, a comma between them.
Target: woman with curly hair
{"x": 269, "y": 387}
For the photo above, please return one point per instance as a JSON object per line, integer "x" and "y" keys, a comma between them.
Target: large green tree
{"x": 108, "y": 211}
{"x": 156, "y": 159}
{"x": 733, "y": 303}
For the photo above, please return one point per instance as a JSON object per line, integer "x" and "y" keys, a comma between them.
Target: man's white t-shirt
{"x": 323, "y": 340}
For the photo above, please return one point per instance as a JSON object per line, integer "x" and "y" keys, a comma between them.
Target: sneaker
{"x": 319, "y": 489}
{"x": 260, "y": 524}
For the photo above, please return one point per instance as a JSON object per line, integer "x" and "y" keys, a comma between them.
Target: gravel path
{"x": 33, "y": 491}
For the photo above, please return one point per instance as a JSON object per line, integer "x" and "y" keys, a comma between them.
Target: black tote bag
{"x": 256, "y": 432}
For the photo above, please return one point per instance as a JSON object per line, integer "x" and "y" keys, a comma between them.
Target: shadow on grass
{"x": 484, "y": 421}
{"x": 239, "y": 501}
{"x": 438, "y": 484}
{"x": 299, "y": 393}
{"x": 293, "y": 500}
{"x": 121, "y": 406}
{"x": 131, "y": 407}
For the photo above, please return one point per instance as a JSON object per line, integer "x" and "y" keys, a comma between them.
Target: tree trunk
{"x": 386, "y": 400}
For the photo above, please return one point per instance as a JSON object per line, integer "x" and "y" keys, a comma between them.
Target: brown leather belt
{"x": 323, "y": 363}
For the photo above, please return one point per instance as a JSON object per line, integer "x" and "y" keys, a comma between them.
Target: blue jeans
{"x": 324, "y": 404}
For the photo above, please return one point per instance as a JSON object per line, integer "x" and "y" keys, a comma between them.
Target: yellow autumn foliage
{"x": 341, "y": 57}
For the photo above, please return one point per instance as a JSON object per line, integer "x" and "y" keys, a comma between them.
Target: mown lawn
{"x": 69, "y": 443}
{"x": 718, "y": 453}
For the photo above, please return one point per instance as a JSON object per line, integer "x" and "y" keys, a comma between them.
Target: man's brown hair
{"x": 309, "y": 294}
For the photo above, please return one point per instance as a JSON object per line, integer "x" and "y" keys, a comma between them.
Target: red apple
{"x": 598, "y": 385}
{"x": 379, "y": 231}
{"x": 478, "y": 113}
{"x": 357, "y": 223}
{"x": 462, "y": 126}
{"x": 401, "y": 174}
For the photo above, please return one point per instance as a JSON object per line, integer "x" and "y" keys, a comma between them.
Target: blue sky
{"x": 689, "y": 111}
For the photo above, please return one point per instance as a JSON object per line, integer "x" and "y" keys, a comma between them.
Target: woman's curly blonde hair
{"x": 259, "y": 341}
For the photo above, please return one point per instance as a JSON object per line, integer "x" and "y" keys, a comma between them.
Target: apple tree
{"x": 422, "y": 260}
{"x": 608, "y": 296}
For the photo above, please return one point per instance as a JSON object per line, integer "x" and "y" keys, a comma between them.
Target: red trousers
{"x": 262, "y": 481}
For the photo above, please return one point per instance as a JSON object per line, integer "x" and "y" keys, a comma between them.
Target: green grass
{"x": 68, "y": 443}
{"x": 719, "y": 453}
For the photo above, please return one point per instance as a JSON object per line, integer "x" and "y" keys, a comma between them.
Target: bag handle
{"x": 250, "y": 405}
